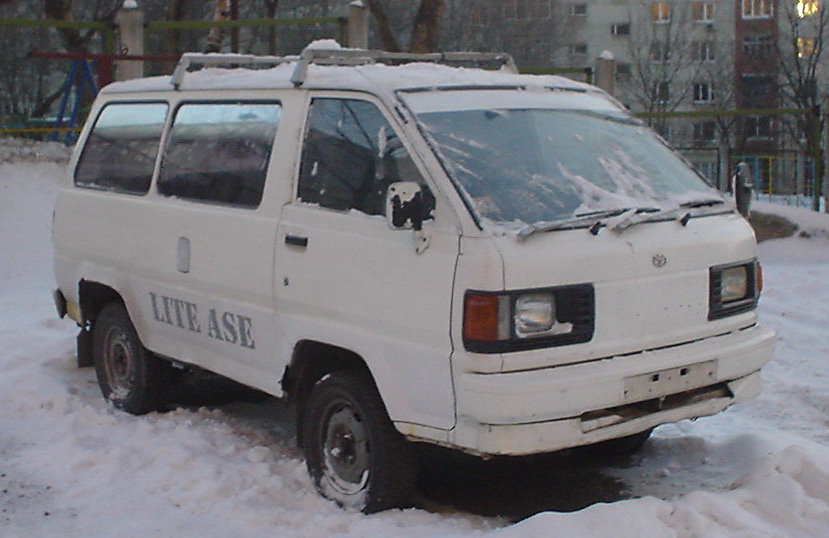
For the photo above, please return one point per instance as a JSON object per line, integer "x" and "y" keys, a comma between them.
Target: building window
{"x": 660, "y": 11}
{"x": 805, "y": 47}
{"x": 578, "y": 10}
{"x": 805, "y": 8}
{"x": 578, "y": 49}
{"x": 756, "y": 9}
{"x": 758, "y": 127}
{"x": 525, "y": 10}
{"x": 704, "y": 51}
{"x": 662, "y": 92}
{"x": 758, "y": 90}
{"x": 705, "y": 131}
{"x": 623, "y": 70}
{"x": 758, "y": 45}
{"x": 620, "y": 29}
{"x": 703, "y": 11}
{"x": 703, "y": 92}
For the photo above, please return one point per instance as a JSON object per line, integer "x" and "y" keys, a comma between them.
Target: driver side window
{"x": 350, "y": 157}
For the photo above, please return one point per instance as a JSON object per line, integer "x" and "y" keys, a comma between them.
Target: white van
{"x": 412, "y": 251}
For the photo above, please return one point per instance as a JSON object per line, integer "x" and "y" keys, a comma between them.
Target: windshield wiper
{"x": 579, "y": 220}
{"x": 679, "y": 213}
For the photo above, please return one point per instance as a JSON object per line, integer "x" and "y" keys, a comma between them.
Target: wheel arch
{"x": 93, "y": 296}
{"x": 311, "y": 361}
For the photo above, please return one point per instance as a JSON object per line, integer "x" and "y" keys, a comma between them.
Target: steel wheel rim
{"x": 118, "y": 361}
{"x": 345, "y": 450}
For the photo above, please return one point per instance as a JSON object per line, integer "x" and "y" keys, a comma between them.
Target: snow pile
{"x": 23, "y": 149}
{"x": 810, "y": 223}
{"x": 72, "y": 466}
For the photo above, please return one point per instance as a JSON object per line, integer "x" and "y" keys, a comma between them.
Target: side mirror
{"x": 743, "y": 188}
{"x": 404, "y": 205}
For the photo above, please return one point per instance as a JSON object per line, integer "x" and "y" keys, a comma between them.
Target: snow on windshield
{"x": 531, "y": 165}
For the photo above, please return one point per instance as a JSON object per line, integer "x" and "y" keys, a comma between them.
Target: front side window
{"x": 350, "y": 157}
{"x": 121, "y": 150}
{"x": 523, "y": 158}
{"x": 219, "y": 152}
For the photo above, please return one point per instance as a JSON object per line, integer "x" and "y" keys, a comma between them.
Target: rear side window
{"x": 121, "y": 150}
{"x": 219, "y": 152}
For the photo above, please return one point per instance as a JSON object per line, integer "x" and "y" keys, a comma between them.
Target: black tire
{"x": 623, "y": 446}
{"x": 353, "y": 453}
{"x": 130, "y": 376}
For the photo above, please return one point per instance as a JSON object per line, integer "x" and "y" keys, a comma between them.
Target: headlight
{"x": 535, "y": 313}
{"x": 498, "y": 322}
{"x": 734, "y": 284}
{"x": 734, "y": 288}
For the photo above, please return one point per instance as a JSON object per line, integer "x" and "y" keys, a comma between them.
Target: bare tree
{"x": 425, "y": 27}
{"x": 804, "y": 30}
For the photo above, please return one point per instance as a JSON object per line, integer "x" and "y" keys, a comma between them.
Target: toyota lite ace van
{"x": 413, "y": 249}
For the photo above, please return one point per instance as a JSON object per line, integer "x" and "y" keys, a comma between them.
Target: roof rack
{"x": 214, "y": 59}
{"x": 362, "y": 57}
{"x": 341, "y": 57}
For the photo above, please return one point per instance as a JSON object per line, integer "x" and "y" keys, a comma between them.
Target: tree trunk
{"x": 426, "y": 28}
{"x": 171, "y": 38}
{"x": 383, "y": 25}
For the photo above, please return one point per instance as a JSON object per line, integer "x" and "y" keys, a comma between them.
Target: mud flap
{"x": 84, "y": 342}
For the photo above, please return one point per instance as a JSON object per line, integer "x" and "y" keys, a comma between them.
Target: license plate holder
{"x": 669, "y": 381}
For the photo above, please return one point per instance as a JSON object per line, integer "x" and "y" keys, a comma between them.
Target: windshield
{"x": 531, "y": 165}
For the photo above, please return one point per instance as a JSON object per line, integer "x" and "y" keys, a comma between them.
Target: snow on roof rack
{"x": 361, "y": 57}
{"x": 213, "y": 59}
{"x": 340, "y": 57}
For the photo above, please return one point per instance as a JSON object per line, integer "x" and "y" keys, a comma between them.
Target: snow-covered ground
{"x": 71, "y": 466}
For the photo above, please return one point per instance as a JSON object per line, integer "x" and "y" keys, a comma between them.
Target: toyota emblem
{"x": 659, "y": 260}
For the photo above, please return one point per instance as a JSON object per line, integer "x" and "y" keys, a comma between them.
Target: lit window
{"x": 756, "y": 9}
{"x": 660, "y": 11}
{"x": 703, "y": 11}
{"x": 807, "y": 7}
{"x": 805, "y": 47}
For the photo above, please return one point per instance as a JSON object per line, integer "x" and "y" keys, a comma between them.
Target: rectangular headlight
{"x": 497, "y": 322}
{"x": 734, "y": 284}
{"x": 733, "y": 288}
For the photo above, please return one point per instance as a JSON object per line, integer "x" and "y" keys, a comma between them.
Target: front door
{"x": 345, "y": 277}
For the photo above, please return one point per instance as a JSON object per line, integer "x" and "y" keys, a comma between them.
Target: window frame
{"x": 757, "y": 9}
{"x": 660, "y": 12}
{"x": 159, "y": 149}
{"x": 703, "y": 92}
{"x": 390, "y": 119}
{"x": 168, "y": 132}
{"x": 707, "y": 12}
{"x": 620, "y": 29}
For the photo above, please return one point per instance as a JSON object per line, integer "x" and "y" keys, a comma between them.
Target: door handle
{"x": 296, "y": 240}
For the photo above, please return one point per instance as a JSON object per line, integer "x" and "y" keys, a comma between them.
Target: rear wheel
{"x": 353, "y": 453}
{"x": 130, "y": 377}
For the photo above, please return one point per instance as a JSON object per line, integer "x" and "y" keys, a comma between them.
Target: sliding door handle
{"x": 296, "y": 240}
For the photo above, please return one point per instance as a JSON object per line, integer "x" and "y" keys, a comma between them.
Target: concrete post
{"x": 606, "y": 72}
{"x": 130, "y": 22}
{"x": 723, "y": 158}
{"x": 357, "y": 25}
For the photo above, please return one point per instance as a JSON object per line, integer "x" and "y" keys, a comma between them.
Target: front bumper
{"x": 554, "y": 408}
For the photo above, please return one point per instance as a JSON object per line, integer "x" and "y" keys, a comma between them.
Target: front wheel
{"x": 130, "y": 376}
{"x": 353, "y": 453}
